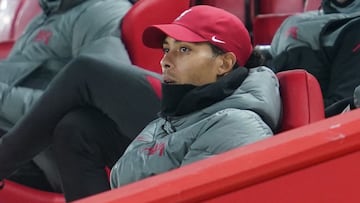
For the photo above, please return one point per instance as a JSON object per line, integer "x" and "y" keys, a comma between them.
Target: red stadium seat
{"x": 265, "y": 27}
{"x": 312, "y": 5}
{"x": 236, "y": 7}
{"x": 280, "y": 6}
{"x": 302, "y": 99}
{"x": 14, "y": 17}
{"x": 8, "y": 13}
{"x": 142, "y": 14}
{"x": 28, "y": 10}
{"x": 271, "y": 13}
{"x": 5, "y": 48}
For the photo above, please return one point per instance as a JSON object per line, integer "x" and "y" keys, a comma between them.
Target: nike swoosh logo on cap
{"x": 213, "y": 38}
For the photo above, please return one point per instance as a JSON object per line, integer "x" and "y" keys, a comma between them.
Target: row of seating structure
{"x": 265, "y": 25}
{"x": 302, "y": 100}
{"x": 262, "y": 17}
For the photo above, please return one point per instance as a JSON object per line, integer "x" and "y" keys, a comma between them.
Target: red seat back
{"x": 280, "y": 6}
{"x": 269, "y": 16}
{"x": 301, "y": 97}
{"x": 5, "y": 48}
{"x": 141, "y": 15}
{"x": 312, "y": 5}
{"x": 265, "y": 27}
{"x": 15, "y": 15}
{"x": 28, "y": 10}
{"x": 8, "y": 12}
{"x": 236, "y": 7}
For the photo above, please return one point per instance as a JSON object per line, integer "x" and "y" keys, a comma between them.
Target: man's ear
{"x": 228, "y": 61}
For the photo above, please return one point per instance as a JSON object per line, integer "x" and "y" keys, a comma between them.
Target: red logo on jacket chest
{"x": 292, "y": 32}
{"x": 356, "y": 48}
{"x": 157, "y": 148}
{"x": 43, "y": 36}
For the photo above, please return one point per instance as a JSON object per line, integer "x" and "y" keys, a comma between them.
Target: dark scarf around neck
{"x": 179, "y": 100}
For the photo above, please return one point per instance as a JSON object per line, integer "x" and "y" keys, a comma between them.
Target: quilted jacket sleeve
{"x": 15, "y": 102}
{"x": 98, "y": 30}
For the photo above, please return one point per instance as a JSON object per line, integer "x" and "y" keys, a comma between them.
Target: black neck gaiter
{"x": 183, "y": 99}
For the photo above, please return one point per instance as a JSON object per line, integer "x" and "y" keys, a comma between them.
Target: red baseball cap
{"x": 204, "y": 24}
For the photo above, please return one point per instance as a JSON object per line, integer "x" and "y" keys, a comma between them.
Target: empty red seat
{"x": 236, "y": 7}
{"x": 271, "y": 13}
{"x": 265, "y": 27}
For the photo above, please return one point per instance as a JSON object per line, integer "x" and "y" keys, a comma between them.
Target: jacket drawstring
{"x": 167, "y": 126}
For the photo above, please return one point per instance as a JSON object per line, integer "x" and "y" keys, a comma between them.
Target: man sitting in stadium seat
{"x": 64, "y": 30}
{"x": 326, "y": 43}
{"x": 216, "y": 96}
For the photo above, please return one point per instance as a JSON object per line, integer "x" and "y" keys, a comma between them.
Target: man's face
{"x": 189, "y": 63}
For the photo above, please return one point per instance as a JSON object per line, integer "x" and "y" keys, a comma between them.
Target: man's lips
{"x": 169, "y": 80}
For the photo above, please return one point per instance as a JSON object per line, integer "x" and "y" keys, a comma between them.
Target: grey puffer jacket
{"x": 66, "y": 29}
{"x": 250, "y": 113}
{"x": 325, "y": 45}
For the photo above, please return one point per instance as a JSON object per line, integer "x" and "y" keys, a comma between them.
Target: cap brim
{"x": 154, "y": 36}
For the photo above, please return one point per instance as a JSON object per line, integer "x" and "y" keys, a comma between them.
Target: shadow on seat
{"x": 301, "y": 97}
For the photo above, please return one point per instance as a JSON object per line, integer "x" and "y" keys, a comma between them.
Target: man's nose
{"x": 166, "y": 61}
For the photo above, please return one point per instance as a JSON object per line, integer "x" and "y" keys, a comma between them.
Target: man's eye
{"x": 184, "y": 49}
{"x": 165, "y": 50}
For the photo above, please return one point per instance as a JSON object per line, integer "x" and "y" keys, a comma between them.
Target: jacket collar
{"x": 56, "y": 6}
